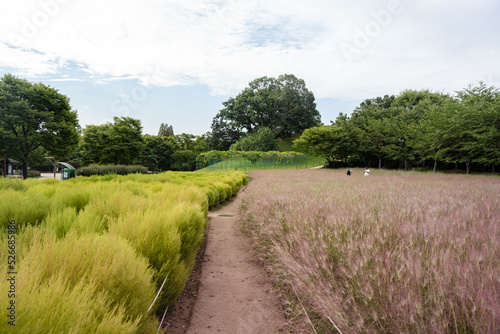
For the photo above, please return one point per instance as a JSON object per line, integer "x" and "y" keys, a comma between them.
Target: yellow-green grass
{"x": 108, "y": 243}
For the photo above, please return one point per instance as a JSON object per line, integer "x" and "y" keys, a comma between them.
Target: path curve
{"x": 235, "y": 295}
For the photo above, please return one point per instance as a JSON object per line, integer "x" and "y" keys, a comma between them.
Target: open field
{"x": 394, "y": 252}
{"x": 92, "y": 254}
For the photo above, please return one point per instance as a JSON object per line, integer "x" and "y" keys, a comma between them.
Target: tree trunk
{"x": 379, "y": 163}
{"x": 25, "y": 170}
{"x": 493, "y": 168}
{"x": 406, "y": 164}
{"x": 435, "y": 165}
{"x": 467, "y": 164}
{"x": 5, "y": 165}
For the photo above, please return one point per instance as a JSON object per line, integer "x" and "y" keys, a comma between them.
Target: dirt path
{"x": 235, "y": 295}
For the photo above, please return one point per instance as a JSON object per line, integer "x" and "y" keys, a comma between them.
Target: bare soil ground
{"x": 234, "y": 295}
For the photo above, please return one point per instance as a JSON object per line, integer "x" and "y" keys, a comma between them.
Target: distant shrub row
{"x": 93, "y": 252}
{"x": 31, "y": 173}
{"x": 34, "y": 173}
{"x": 112, "y": 169}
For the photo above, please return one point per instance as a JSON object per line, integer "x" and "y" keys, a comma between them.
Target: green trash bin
{"x": 68, "y": 172}
{"x": 65, "y": 174}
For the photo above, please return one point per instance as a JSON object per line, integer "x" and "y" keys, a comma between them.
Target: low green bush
{"x": 112, "y": 169}
{"x": 34, "y": 173}
{"x": 95, "y": 250}
{"x": 15, "y": 184}
{"x": 22, "y": 209}
{"x": 422, "y": 169}
{"x": 102, "y": 268}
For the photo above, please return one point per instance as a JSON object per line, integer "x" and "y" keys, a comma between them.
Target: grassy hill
{"x": 287, "y": 145}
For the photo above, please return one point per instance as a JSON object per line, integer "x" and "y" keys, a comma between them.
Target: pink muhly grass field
{"x": 395, "y": 252}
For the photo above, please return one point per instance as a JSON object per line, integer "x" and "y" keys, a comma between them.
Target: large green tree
{"x": 331, "y": 142}
{"x": 120, "y": 142}
{"x": 467, "y": 129}
{"x": 284, "y": 105}
{"x": 157, "y": 152}
{"x": 35, "y": 119}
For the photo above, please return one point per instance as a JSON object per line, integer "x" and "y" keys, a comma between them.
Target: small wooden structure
{"x": 9, "y": 166}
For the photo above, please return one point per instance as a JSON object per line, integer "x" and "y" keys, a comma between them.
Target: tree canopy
{"x": 415, "y": 127}
{"x": 283, "y": 105}
{"x": 261, "y": 140}
{"x": 165, "y": 130}
{"x": 116, "y": 143}
{"x": 35, "y": 119}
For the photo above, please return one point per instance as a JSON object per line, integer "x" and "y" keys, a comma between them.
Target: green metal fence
{"x": 246, "y": 161}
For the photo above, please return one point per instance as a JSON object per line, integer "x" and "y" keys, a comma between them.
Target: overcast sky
{"x": 175, "y": 61}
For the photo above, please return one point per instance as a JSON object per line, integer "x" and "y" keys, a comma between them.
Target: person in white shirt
{"x": 367, "y": 171}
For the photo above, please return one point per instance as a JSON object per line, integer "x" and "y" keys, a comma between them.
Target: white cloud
{"x": 227, "y": 43}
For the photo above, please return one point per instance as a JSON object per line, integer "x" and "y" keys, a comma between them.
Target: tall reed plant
{"x": 389, "y": 253}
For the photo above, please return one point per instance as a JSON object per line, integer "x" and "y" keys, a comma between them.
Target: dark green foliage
{"x": 184, "y": 161}
{"x": 33, "y": 173}
{"x": 157, "y": 152}
{"x": 415, "y": 127}
{"x": 284, "y": 105}
{"x": 189, "y": 142}
{"x": 35, "y": 120}
{"x": 112, "y": 169}
{"x": 330, "y": 142}
{"x": 120, "y": 142}
{"x": 261, "y": 140}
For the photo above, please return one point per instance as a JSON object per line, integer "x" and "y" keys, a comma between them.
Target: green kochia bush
{"x": 111, "y": 169}
{"x": 107, "y": 243}
{"x": 109, "y": 285}
{"x": 25, "y": 210}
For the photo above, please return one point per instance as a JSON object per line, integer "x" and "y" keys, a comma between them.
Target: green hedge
{"x": 254, "y": 156}
{"x": 34, "y": 173}
{"x": 112, "y": 169}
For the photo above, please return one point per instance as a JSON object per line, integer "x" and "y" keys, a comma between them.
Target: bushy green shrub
{"x": 56, "y": 307}
{"x": 15, "y": 184}
{"x": 261, "y": 140}
{"x": 34, "y": 173}
{"x": 95, "y": 249}
{"x": 22, "y": 209}
{"x": 422, "y": 169}
{"x": 183, "y": 161}
{"x": 105, "y": 262}
{"x": 112, "y": 169}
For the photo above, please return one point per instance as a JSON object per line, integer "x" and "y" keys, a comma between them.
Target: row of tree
{"x": 37, "y": 121}
{"x": 122, "y": 142}
{"x": 414, "y": 127}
